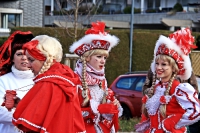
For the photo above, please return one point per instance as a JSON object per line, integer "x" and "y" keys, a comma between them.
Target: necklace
{"x": 20, "y": 89}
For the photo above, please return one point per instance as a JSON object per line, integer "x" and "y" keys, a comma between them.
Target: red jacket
{"x": 52, "y": 105}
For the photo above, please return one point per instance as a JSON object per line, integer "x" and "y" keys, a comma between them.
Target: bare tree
{"x": 79, "y": 12}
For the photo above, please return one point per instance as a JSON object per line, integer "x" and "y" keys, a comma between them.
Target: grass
{"x": 128, "y": 125}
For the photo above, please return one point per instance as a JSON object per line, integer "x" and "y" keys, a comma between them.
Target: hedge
{"x": 118, "y": 61}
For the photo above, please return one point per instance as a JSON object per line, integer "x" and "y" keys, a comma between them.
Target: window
{"x": 150, "y": 4}
{"x": 139, "y": 84}
{"x": 157, "y": 3}
{"x": 198, "y": 82}
{"x": 126, "y": 83}
{"x": 108, "y": 1}
{"x": 63, "y": 3}
{"x": 10, "y": 20}
{"x": 47, "y": 10}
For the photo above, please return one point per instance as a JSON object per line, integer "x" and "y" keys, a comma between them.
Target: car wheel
{"x": 126, "y": 113}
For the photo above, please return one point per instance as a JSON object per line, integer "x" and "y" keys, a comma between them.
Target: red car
{"x": 128, "y": 90}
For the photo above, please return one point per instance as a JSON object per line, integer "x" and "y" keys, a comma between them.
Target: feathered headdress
{"x": 95, "y": 38}
{"x": 178, "y": 46}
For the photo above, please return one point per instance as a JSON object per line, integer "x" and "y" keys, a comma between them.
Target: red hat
{"x": 8, "y": 49}
{"x": 178, "y": 46}
{"x": 95, "y": 38}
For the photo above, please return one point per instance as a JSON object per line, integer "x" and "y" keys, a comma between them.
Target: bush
{"x": 100, "y": 9}
{"x": 150, "y": 10}
{"x": 118, "y": 61}
{"x": 128, "y": 9}
{"x": 137, "y": 10}
{"x": 178, "y": 7}
{"x": 2, "y": 40}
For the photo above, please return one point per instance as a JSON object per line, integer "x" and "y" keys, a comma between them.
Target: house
{"x": 154, "y": 14}
{"x": 15, "y": 13}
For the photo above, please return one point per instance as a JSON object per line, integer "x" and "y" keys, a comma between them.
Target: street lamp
{"x": 131, "y": 35}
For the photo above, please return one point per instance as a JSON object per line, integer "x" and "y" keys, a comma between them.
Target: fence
{"x": 195, "y": 59}
{"x": 70, "y": 60}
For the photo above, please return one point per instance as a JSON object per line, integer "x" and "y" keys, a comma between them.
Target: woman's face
{"x": 34, "y": 64}
{"x": 163, "y": 70}
{"x": 20, "y": 61}
{"x": 97, "y": 61}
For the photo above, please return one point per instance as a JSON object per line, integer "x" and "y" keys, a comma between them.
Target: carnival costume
{"x": 100, "y": 115}
{"x": 182, "y": 104}
{"x": 52, "y": 105}
{"x": 12, "y": 78}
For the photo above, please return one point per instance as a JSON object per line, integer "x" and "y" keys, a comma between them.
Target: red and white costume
{"x": 182, "y": 109}
{"x": 182, "y": 104}
{"x": 98, "y": 117}
{"x": 99, "y": 114}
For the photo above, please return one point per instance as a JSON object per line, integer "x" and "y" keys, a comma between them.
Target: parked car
{"x": 128, "y": 90}
{"x": 198, "y": 82}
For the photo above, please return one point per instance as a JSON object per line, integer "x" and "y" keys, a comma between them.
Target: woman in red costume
{"x": 52, "y": 105}
{"x": 170, "y": 105}
{"x": 100, "y": 109}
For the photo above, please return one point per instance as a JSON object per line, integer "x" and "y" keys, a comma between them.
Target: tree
{"x": 78, "y": 12}
{"x": 178, "y": 7}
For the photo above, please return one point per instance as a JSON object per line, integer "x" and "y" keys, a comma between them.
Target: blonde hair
{"x": 51, "y": 48}
{"x": 175, "y": 70}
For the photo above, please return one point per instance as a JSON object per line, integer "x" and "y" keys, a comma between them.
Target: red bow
{"x": 33, "y": 51}
{"x": 97, "y": 28}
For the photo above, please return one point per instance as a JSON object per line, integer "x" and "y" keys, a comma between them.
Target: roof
{"x": 177, "y": 22}
{"x": 61, "y": 23}
{"x": 116, "y": 24}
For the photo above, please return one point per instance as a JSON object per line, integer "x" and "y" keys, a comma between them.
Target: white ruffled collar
{"x": 22, "y": 74}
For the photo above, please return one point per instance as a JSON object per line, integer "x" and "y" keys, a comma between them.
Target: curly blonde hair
{"x": 51, "y": 48}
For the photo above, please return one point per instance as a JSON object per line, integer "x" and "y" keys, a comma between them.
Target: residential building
{"x": 14, "y": 13}
{"x": 153, "y": 14}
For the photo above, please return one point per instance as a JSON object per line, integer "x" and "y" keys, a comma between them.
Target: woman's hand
{"x": 17, "y": 100}
{"x": 116, "y": 102}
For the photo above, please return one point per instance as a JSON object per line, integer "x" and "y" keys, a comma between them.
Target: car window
{"x": 126, "y": 83}
{"x": 139, "y": 84}
{"x": 198, "y": 82}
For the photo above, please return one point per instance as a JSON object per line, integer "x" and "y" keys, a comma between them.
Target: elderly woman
{"x": 15, "y": 76}
{"x": 52, "y": 105}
